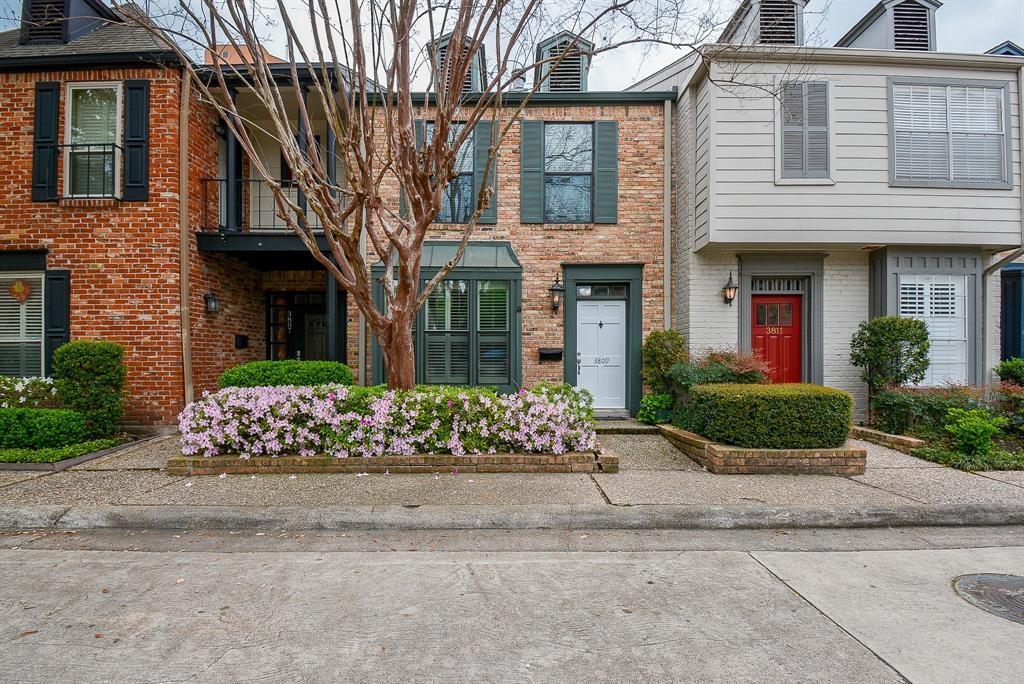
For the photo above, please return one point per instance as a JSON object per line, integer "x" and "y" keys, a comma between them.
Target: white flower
{"x": 222, "y": 475}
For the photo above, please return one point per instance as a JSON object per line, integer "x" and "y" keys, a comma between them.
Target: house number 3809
{"x": 601, "y": 360}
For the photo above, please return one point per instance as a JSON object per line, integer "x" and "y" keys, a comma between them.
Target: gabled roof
{"x": 1008, "y": 48}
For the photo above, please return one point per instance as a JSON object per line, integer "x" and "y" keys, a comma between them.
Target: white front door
{"x": 601, "y": 352}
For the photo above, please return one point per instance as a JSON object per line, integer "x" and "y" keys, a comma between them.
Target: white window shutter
{"x": 941, "y": 302}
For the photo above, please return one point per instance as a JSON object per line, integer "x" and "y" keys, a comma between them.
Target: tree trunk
{"x": 400, "y": 355}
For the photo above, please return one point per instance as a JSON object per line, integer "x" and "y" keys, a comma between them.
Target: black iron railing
{"x": 91, "y": 170}
{"x": 246, "y": 205}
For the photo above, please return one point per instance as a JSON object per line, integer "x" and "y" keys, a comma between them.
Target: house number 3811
{"x": 774, "y": 331}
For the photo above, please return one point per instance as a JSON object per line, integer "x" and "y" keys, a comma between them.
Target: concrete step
{"x": 627, "y": 426}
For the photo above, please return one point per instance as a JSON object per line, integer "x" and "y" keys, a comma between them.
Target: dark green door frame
{"x": 630, "y": 275}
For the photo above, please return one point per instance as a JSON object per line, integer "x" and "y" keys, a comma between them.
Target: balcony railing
{"x": 255, "y": 208}
{"x": 91, "y": 171}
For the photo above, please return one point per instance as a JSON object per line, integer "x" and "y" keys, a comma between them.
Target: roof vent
{"x": 910, "y": 30}
{"x": 473, "y": 82}
{"x": 777, "y": 23}
{"x": 43, "y": 22}
{"x": 563, "y": 63}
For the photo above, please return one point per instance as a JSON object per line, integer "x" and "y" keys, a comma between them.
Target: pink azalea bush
{"x": 348, "y": 421}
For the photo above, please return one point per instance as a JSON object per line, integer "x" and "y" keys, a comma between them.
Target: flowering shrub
{"x": 373, "y": 421}
{"x": 28, "y": 393}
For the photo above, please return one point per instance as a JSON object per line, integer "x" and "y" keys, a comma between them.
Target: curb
{"x": 585, "y": 516}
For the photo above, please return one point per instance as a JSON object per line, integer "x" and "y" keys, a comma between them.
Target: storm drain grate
{"x": 1001, "y": 595}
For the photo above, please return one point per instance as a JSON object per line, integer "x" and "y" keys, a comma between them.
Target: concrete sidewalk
{"x": 658, "y": 486}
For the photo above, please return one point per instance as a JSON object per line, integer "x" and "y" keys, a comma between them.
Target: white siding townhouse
{"x": 834, "y": 184}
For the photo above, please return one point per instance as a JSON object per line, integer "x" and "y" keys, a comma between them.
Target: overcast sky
{"x": 962, "y": 26}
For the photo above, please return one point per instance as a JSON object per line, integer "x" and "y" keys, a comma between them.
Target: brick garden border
{"x": 733, "y": 460}
{"x": 897, "y": 442}
{"x": 573, "y": 462}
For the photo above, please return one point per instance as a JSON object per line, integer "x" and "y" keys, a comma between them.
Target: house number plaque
{"x": 20, "y": 291}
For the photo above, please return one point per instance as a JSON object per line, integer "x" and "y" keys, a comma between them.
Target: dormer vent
{"x": 473, "y": 81}
{"x": 43, "y": 22}
{"x": 564, "y": 60}
{"x": 910, "y": 26}
{"x": 777, "y": 23}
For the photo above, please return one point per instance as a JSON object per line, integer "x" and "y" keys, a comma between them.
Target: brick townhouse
{"x": 131, "y": 215}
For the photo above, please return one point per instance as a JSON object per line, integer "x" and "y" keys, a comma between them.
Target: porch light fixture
{"x": 730, "y": 290}
{"x": 557, "y": 293}
{"x": 211, "y": 302}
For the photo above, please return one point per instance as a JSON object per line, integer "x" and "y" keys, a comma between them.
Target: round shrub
{"x": 90, "y": 376}
{"x": 1011, "y": 370}
{"x": 891, "y": 351}
{"x": 791, "y": 416}
{"x": 662, "y": 349}
{"x": 287, "y": 373}
{"x": 655, "y": 409}
{"x": 29, "y": 428}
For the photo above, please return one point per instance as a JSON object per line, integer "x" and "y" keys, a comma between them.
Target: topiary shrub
{"x": 655, "y": 409}
{"x": 28, "y": 428}
{"x": 662, "y": 349}
{"x": 786, "y": 416}
{"x": 287, "y": 373}
{"x": 891, "y": 351}
{"x": 1011, "y": 370}
{"x": 921, "y": 411}
{"x": 90, "y": 376}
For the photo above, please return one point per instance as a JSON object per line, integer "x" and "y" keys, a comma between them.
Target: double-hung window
{"x": 941, "y": 302}
{"x": 950, "y": 135}
{"x": 568, "y": 172}
{"x": 459, "y": 200}
{"x": 92, "y": 132}
{"x": 21, "y": 324}
{"x": 804, "y": 145}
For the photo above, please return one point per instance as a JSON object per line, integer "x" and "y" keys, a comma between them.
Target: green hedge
{"x": 90, "y": 377}
{"x": 28, "y": 428}
{"x": 792, "y": 416}
{"x": 280, "y": 373}
{"x": 57, "y": 453}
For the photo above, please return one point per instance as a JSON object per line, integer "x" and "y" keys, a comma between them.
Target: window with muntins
{"x": 941, "y": 302}
{"x": 805, "y": 129}
{"x": 568, "y": 172}
{"x": 949, "y": 134}
{"x": 459, "y": 200}
{"x": 93, "y": 130}
{"x": 21, "y": 324}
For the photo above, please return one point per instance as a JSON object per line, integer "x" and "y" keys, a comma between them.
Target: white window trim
{"x": 118, "y": 125}
{"x": 779, "y": 180}
{"x": 1005, "y": 184}
{"x": 41, "y": 275}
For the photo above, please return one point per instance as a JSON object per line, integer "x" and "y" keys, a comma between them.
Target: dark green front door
{"x": 297, "y": 326}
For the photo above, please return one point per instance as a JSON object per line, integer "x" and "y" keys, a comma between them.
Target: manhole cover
{"x": 1001, "y": 595}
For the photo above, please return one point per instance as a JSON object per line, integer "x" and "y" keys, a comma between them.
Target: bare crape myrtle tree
{"x": 360, "y": 62}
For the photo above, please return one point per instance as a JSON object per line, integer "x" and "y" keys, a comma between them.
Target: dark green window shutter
{"x": 531, "y": 172}
{"x": 606, "y": 171}
{"x": 481, "y": 142}
{"x": 136, "y": 141}
{"x": 46, "y": 138}
{"x": 56, "y": 313}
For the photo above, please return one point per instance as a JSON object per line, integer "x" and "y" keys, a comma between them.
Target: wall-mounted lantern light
{"x": 730, "y": 290}
{"x": 557, "y": 293}
{"x": 211, "y": 302}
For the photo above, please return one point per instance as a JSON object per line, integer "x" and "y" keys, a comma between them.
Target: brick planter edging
{"x": 573, "y": 462}
{"x": 732, "y": 460}
{"x": 897, "y": 442}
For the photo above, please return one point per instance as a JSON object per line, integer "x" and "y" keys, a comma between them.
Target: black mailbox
{"x": 241, "y": 341}
{"x": 550, "y": 353}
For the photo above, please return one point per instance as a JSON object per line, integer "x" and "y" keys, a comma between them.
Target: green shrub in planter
{"x": 1011, "y": 370}
{"x": 891, "y": 351}
{"x": 285, "y": 373}
{"x": 717, "y": 367}
{"x": 972, "y": 430}
{"x": 655, "y": 408}
{"x": 921, "y": 411}
{"x": 662, "y": 349}
{"x": 90, "y": 376}
{"x": 27, "y": 428}
{"x": 789, "y": 416}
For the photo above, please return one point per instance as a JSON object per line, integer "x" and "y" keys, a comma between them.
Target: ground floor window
{"x": 941, "y": 302}
{"x": 21, "y": 324}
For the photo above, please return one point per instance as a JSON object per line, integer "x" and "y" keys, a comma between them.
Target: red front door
{"x": 775, "y": 335}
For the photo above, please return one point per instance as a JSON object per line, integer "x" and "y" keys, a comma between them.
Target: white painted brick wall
{"x": 713, "y": 323}
{"x": 845, "y": 306}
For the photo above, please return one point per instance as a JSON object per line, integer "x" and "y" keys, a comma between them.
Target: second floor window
{"x": 92, "y": 133}
{"x": 568, "y": 172}
{"x": 951, "y": 135}
{"x": 459, "y": 200}
{"x": 805, "y": 129}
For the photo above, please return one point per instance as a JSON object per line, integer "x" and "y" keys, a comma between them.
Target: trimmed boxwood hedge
{"x": 40, "y": 428}
{"x": 282, "y": 373}
{"x": 786, "y": 416}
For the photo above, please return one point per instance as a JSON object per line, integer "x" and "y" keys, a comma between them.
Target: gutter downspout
{"x": 986, "y": 300}
{"x": 667, "y": 216}
{"x": 184, "y": 236}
